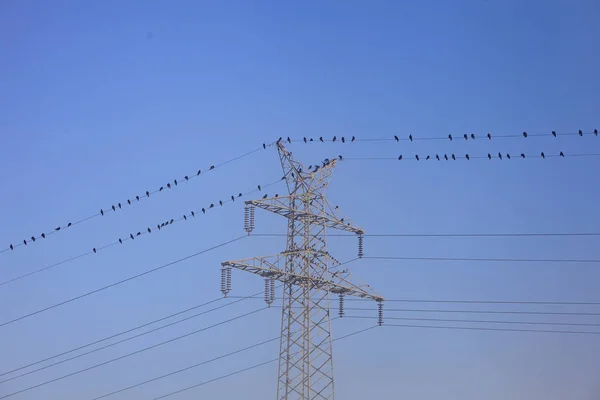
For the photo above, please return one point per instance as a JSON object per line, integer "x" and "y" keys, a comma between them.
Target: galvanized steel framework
{"x": 308, "y": 273}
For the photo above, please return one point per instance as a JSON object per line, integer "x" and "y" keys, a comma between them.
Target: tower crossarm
{"x": 337, "y": 282}
{"x": 276, "y": 205}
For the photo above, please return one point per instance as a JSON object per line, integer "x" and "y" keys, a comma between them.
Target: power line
{"x": 131, "y": 354}
{"x": 168, "y": 222}
{"x": 121, "y": 281}
{"x": 249, "y": 368}
{"x": 111, "y": 336}
{"x": 468, "y": 157}
{"x": 472, "y": 328}
{"x": 550, "y": 260}
{"x": 130, "y": 201}
{"x": 121, "y": 341}
{"x": 458, "y": 235}
{"x": 479, "y": 321}
{"x": 589, "y": 314}
{"x": 457, "y": 301}
{"x": 458, "y": 137}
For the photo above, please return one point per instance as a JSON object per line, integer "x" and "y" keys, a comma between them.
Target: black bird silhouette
{"x": 94, "y": 249}
{"x": 293, "y": 175}
{"x": 212, "y": 167}
{"x": 185, "y": 217}
{"x": 193, "y": 214}
{"x": 276, "y": 195}
{"x": 410, "y": 137}
{"x": 12, "y": 247}
{"x": 119, "y": 205}
{"x": 158, "y": 227}
{"x": 437, "y": 156}
{"x": 187, "y": 178}
{"x": 120, "y": 240}
{"x": 562, "y": 154}
{"x": 149, "y": 230}
{"x": 161, "y": 189}
{"x": 596, "y": 132}
{"x": 396, "y": 137}
{"x": 334, "y": 138}
{"x": 543, "y": 155}
{"x": 171, "y": 221}
{"x": 446, "y": 157}
{"x": 311, "y": 139}
{"x": 316, "y": 168}
{"x": 353, "y": 139}
{"x": 467, "y": 157}
{"x": 203, "y": 211}
{"x": 500, "y": 156}
{"x": 259, "y": 187}
{"x": 472, "y": 136}
{"x": 164, "y": 224}
{"x": 417, "y": 157}
{"x": 489, "y": 156}
{"x": 524, "y": 134}
{"x": 554, "y": 133}
{"x": 211, "y": 205}
{"x": 340, "y": 157}
{"x": 147, "y": 193}
{"x": 232, "y": 198}
{"x": 57, "y": 228}
{"x": 449, "y": 136}
{"x": 289, "y": 140}
{"x": 139, "y": 233}
{"x": 199, "y": 172}
{"x": 69, "y": 225}
{"x": 169, "y": 185}
{"x": 33, "y": 238}
{"x": 489, "y": 136}
{"x": 400, "y": 157}
{"x": 220, "y": 202}
{"x": 240, "y": 194}
{"x": 131, "y": 236}
{"x": 343, "y": 140}
{"x": 175, "y": 182}
{"x": 508, "y": 156}
{"x": 305, "y": 139}
{"x": 113, "y": 207}
{"x": 453, "y": 157}
{"x": 265, "y": 196}
{"x": 522, "y": 155}
{"x": 264, "y": 146}
{"x": 25, "y": 242}
{"x": 128, "y": 201}
{"x": 465, "y": 136}
{"x": 321, "y": 138}
{"x": 44, "y": 235}
{"x": 427, "y": 158}
{"x": 137, "y": 198}
{"x": 279, "y": 140}
{"x": 580, "y": 133}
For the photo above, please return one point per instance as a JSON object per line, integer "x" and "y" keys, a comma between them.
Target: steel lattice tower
{"x": 308, "y": 273}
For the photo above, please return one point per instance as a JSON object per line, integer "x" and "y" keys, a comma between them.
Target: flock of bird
{"x": 468, "y": 157}
{"x": 410, "y": 137}
{"x": 312, "y": 169}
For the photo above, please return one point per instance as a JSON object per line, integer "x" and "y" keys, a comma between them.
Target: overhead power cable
{"x": 475, "y": 321}
{"x": 468, "y": 157}
{"x": 487, "y": 259}
{"x": 168, "y": 222}
{"x": 458, "y": 235}
{"x": 250, "y": 368}
{"x": 449, "y": 301}
{"x": 450, "y": 137}
{"x": 169, "y": 264}
{"x": 587, "y": 314}
{"x": 473, "y": 328}
{"x": 121, "y": 341}
{"x": 117, "y": 206}
{"x": 131, "y": 354}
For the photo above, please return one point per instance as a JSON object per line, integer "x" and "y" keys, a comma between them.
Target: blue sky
{"x": 101, "y": 101}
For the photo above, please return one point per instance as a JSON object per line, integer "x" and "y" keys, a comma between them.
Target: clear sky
{"x": 101, "y": 101}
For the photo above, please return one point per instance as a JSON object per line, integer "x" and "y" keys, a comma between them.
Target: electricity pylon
{"x": 308, "y": 273}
